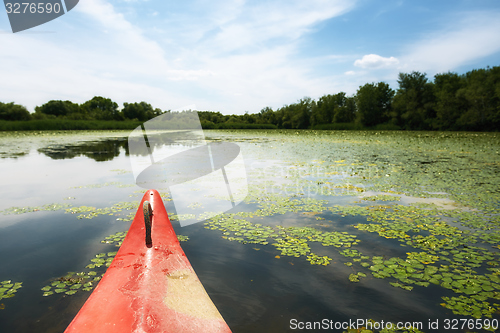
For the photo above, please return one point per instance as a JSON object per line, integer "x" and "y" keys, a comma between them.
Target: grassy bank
{"x": 64, "y": 124}
{"x": 355, "y": 127}
{"x": 211, "y": 125}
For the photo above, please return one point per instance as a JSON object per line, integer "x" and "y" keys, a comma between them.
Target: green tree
{"x": 494, "y": 117}
{"x": 158, "y": 112}
{"x": 285, "y": 116}
{"x": 216, "y": 117}
{"x": 11, "y": 111}
{"x": 414, "y": 101}
{"x": 233, "y": 119}
{"x": 345, "y": 108}
{"x": 336, "y": 108}
{"x": 280, "y": 117}
{"x": 267, "y": 116}
{"x": 481, "y": 93}
{"x": 141, "y": 111}
{"x": 450, "y": 104}
{"x": 324, "y": 111}
{"x": 301, "y": 113}
{"x": 60, "y": 109}
{"x": 101, "y": 108}
{"x": 373, "y": 103}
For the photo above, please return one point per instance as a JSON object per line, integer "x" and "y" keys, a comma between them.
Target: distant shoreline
{"x": 64, "y": 124}
{"x": 82, "y": 125}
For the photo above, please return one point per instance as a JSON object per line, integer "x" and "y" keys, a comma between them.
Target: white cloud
{"x": 472, "y": 37}
{"x": 374, "y": 61}
{"x": 224, "y": 55}
{"x": 116, "y": 61}
{"x": 252, "y": 54}
{"x": 288, "y": 19}
{"x": 241, "y": 54}
{"x": 236, "y": 57}
{"x": 126, "y": 38}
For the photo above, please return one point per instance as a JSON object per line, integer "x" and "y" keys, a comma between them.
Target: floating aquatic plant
{"x": 314, "y": 259}
{"x": 355, "y": 277}
{"x": 182, "y": 238}
{"x": 120, "y": 171}
{"x": 195, "y": 205}
{"x": 470, "y": 306}
{"x": 28, "y": 209}
{"x": 91, "y": 212}
{"x": 117, "y": 184}
{"x": 439, "y": 235}
{"x": 8, "y": 289}
{"x": 116, "y": 238}
{"x": 87, "y": 212}
{"x": 381, "y": 197}
{"x": 73, "y": 282}
{"x": 406, "y": 224}
{"x": 129, "y": 218}
{"x": 175, "y": 217}
{"x": 290, "y": 241}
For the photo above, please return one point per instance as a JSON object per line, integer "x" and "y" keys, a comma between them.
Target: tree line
{"x": 98, "y": 108}
{"x": 450, "y": 102}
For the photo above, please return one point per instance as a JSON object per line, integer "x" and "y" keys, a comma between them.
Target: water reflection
{"x": 103, "y": 150}
{"x": 108, "y": 149}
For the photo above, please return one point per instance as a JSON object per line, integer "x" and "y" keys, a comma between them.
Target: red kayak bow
{"x": 150, "y": 285}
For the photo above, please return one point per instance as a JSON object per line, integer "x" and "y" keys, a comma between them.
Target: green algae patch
{"x": 440, "y": 253}
{"x": 314, "y": 259}
{"x": 8, "y": 289}
{"x": 82, "y": 212}
{"x": 73, "y": 282}
{"x": 355, "y": 277}
{"x": 470, "y": 306}
{"x": 89, "y": 212}
{"x": 443, "y": 255}
{"x": 182, "y": 238}
{"x": 29, "y": 209}
{"x": 116, "y": 239}
{"x": 117, "y": 184}
{"x": 289, "y": 241}
{"x": 381, "y": 197}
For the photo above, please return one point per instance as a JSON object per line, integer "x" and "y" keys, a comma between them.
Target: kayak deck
{"x": 149, "y": 287}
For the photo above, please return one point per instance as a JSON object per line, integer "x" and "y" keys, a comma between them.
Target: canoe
{"x": 150, "y": 286}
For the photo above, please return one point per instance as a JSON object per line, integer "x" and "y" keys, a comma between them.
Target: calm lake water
{"x": 337, "y": 225}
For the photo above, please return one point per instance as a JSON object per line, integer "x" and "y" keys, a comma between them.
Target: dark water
{"x": 254, "y": 291}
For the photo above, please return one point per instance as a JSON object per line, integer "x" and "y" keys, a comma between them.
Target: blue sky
{"x": 237, "y": 56}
